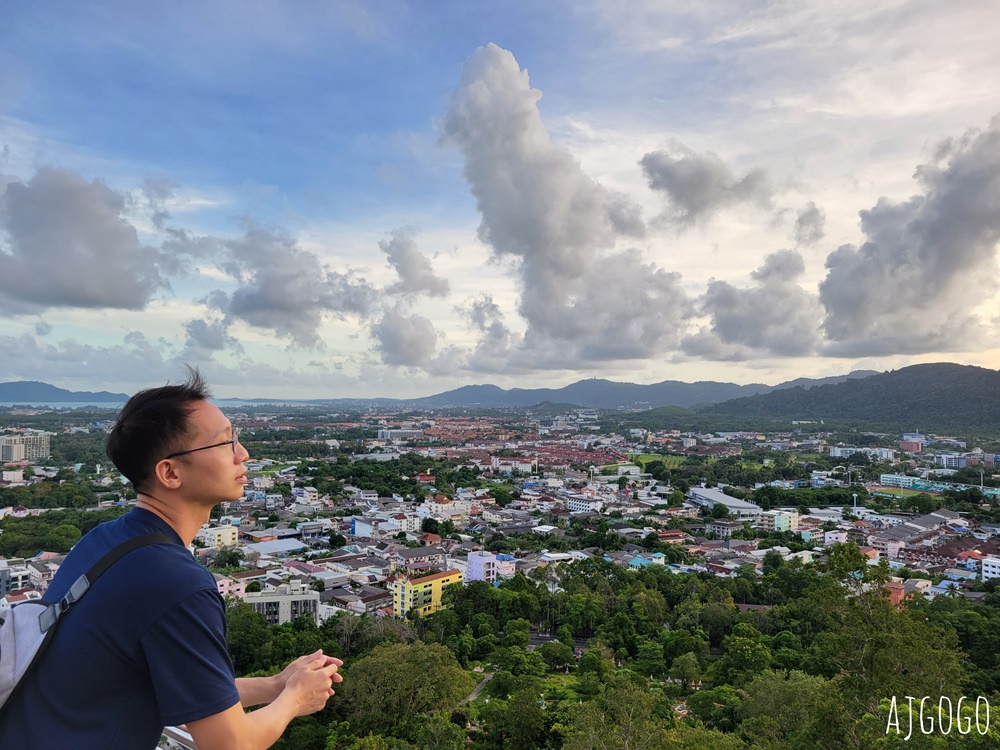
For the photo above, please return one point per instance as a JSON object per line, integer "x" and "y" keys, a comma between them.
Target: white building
{"x": 482, "y": 566}
{"x": 990, "y": 568}
{"x": 27, "y": 446}
{"x": 287, "y": 602}
{"x": 882, "y": 454}
{"x": 583, "y": 504}
{"x": 779, "y": 520}
{"x": 741, "y": 510}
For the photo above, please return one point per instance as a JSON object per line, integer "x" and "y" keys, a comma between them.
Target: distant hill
{"x": 932, "y": 396}
{"x": 594, "y": 394}
{"x": 31, "y": 392}
{"x": 607, "y": 394}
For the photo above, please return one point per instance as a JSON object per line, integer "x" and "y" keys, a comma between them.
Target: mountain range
{"x": 593, "y": 393}
{"x": 606, "y": 394}
{"x": 33, "y": 392}
{"x": 929, "y": 396}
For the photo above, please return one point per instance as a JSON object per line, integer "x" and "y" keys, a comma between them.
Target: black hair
{"x": 152, "y": 424}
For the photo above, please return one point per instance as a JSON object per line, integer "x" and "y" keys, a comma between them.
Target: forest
{"x": 590, "y": 655}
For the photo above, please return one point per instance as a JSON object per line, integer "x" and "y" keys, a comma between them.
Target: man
{"x": 146, "y": 647}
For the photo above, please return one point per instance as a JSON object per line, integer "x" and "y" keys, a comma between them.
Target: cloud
{"x": 775, "y": 317}
{"x": 583, "y": 299}
{"x": 809, "y": 225}
{"x": 909, "y": 286}
{"x": 135, "y": 360}
{"x": 286, "y": 289}
{"x": 138, "y": 362}
{"x": 67, "y": 245}
{"x": 416, "y": 276}
{"x": 700, "y": 185}
{"x": 496, "y": 350}
{"x": 403, "y": 339}
{"x": 207, "y": 335}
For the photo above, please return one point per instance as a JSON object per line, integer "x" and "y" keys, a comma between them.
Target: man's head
{"x": 153, "y": 424}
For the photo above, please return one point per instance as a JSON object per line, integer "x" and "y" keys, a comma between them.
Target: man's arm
{"x": 306, "y": 691}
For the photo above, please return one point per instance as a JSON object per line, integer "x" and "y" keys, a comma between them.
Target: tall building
{"x": 11, "y": 450}
{"x": 27, "y": 446}
{"x": 422, "y": 594}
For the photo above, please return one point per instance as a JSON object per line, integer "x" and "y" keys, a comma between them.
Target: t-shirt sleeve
{"x": 189, "y": 665}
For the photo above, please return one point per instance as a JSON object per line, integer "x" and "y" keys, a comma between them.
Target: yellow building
{"x": 422, "y": 594}
{"x": 220, "y": 536}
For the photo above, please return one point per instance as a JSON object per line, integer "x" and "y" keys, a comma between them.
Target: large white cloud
{"x": 405, "y": 339}
{"x": 912, "y": 285}
{"x": 286, "y": 289}
{"x": 776, "y": 317}
{"x": 584, "y": 299}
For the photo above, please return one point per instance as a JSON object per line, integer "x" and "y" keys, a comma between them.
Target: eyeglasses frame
{"x": 233, "y": 442}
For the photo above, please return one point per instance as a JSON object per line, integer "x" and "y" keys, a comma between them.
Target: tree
{"x": 792, "y": 700}
{"x": 700, "y": 738}
{"x": 686, "y": 670}
{"x": 229, "y": 557}
{"x": 556, "y": 654}
{"x": 624, "y": 716}
{"x": 718, "y": 707}
{"x": 247, "y": 636}
{"x": 525, "y": 721}
{"x": 649, "y": 658}
{"x": 62, "y": 538}
{"x": 397, "y": 682}
{"x": 437, "y": 732}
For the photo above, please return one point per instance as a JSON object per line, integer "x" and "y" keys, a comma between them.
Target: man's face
{"x": 215, "y": 474}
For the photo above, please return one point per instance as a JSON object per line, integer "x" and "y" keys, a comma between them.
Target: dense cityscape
{"x": 524, "y": 563}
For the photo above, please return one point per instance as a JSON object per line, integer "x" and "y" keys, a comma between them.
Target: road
{"x": 479, "y": 688}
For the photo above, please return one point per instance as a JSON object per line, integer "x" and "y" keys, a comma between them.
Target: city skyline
{"x": 345, "y": 201}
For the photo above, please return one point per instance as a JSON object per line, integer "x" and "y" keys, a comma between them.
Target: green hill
{"x": 932, "y": 396}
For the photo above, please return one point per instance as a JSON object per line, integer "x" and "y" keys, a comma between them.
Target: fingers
{"x": 332, "y": 673}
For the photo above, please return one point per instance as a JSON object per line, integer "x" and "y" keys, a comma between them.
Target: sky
{"x": 352, "y": 199}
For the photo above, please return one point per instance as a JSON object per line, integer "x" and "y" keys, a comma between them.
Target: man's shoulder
{"x": 163, "y": 569}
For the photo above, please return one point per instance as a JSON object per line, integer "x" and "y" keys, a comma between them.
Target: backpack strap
{"x": 53, "y": 612}
{"x": 84, "y": 582}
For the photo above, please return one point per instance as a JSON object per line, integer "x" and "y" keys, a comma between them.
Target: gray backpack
{"x": 27, "y": 627}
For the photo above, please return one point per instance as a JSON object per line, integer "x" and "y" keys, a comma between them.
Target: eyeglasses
{"x": 233, "y": 442}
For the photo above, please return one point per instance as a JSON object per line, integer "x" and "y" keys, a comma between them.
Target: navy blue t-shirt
{"x": 143, "y": 649}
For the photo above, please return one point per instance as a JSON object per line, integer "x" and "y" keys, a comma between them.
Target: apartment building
{"x": 28, "y": 446}
{"x": 422, "y": 594}
{"x": 218, "y": 537}
{"x": 285, "y": 603}
{"x": 778, "y": 520}
{"x": 482, "y": 567}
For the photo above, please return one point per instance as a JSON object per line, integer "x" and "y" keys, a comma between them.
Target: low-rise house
{"x": 229, "y": 586}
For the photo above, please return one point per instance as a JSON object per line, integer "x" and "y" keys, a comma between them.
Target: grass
{"x": 670, "y": 462}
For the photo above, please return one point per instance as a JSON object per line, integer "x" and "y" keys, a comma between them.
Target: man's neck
{"x": 183, "y": 518}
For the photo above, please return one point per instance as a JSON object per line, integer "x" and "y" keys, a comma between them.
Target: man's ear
{"x": 166, "y": 474}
